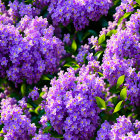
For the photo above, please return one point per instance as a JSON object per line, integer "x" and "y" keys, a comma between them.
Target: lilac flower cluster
{"x": 44, "y": 137}
{"x": 122, "y": 57}
{"x": 16, "y": 125}
{"x": 16, "y": 11}
{"x": 125, "y": 7}
{"x": 79, "y": 12}
{"x": 86, "y": 52}
{"x": 34, "y": 94}
{"x": 71, "y": 104}
{"x": 29, "y": 57}
{"x": 124, "y": 129}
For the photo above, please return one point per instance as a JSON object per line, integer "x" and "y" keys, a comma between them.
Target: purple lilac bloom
{"x": 34, "y": 94}
{"x": 124, "y": 7}
{"x": 16, "y": 10}
{"x": 71, "y": 104}
{"x": 124, "y": 129}
{"x": 16, "y": 125}
{"x": 66, "y": 38}
{"x": 122, "y": 57}
{"x": 30, "y": 56}
{"x": 44, "y": 137}
{"x": 77, "y": 11}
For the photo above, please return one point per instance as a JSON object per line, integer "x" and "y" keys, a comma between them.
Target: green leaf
{"x": 23, "y": 89}
{"x": 118, "y": 107}
{"x": 1, "y": 138}
{"x": 98, "y": 54}
{"x": 44, "y": 77}
{"x": 114, "y": 100}
{"x": 46, "y": 130}
{"x": 110, "y": 33}
{"x": 80, "y": 35}
{"x": 92, "y": 32}
{"x": 29, "y": 105}
{"x": 138, "y": 1}
{"x": 86, "y": 35}
{"x": 38, "y": 101}
{"x": 123, "y": 94}
{"x": 103, "y": 45}
{"x": 114, "y": 90}
{"x": 101, "y": 103}
{"x": 100, "y": 74}
{"x": 101, "y": 39}
{"x": 56, "y": 135}
{"x": 74, "y": 46}
{"x": 124, "y": 16}
{"x": 120, "y": 81}
{"x": 37, "y": 108}
{"x": 72, "y": 64}
{"x": 116, "y": 2}
{"x": 41, "y": 94}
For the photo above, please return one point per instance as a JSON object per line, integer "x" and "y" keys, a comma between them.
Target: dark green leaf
{"x": 116, "y": 2}
{"x": 101, "y": 103}
{"x": 120, "y": 81}
{"x": 118, "y": 107}
{"x": 103, "y": 45}
{"x": 92, "y": 32}
{"x": 44, "y": 77}
{"x": 123, "y": 94}
{"x": 80, "y": 35}
{"x": 46, "y": 130}
{"x": 114, "y": 100}
{"x": 86, "y": 35}
{"x": 101, "y": 39}
{"x": 114, "y": 90}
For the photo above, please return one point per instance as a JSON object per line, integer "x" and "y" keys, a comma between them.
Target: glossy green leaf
{"x": 23, "y": 89}
{"x": 120, "y": 81}
{"x": 100, "y": 74}
{"x": 118, "y": 107}
{"x": 29, "y": 105}
{"x": 110, "y": 33}
{"x": 74, "y": 46}
{"x": 98, "y": 54}
{"x": 101, "y": 103}
{"x": 101, "y": 39}
{"x": 44, "y": 77}
{"x": 138, "y": 1}
{"x": 124, "y": 16}
{"x": 41, "y": 94}
{"x": 1, "y": 138}
{"x": 123, "y": 94}
{"x": 37, "y": 109}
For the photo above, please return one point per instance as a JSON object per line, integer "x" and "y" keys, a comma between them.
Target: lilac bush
{"x": 79, "y": 12}
{"x": 69, "y": 69}
{"x": 30, "y": 56}
{"x": 124, "y": 129}
{"x": 16, "y": 124}
{"x": 70, "y": 102}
